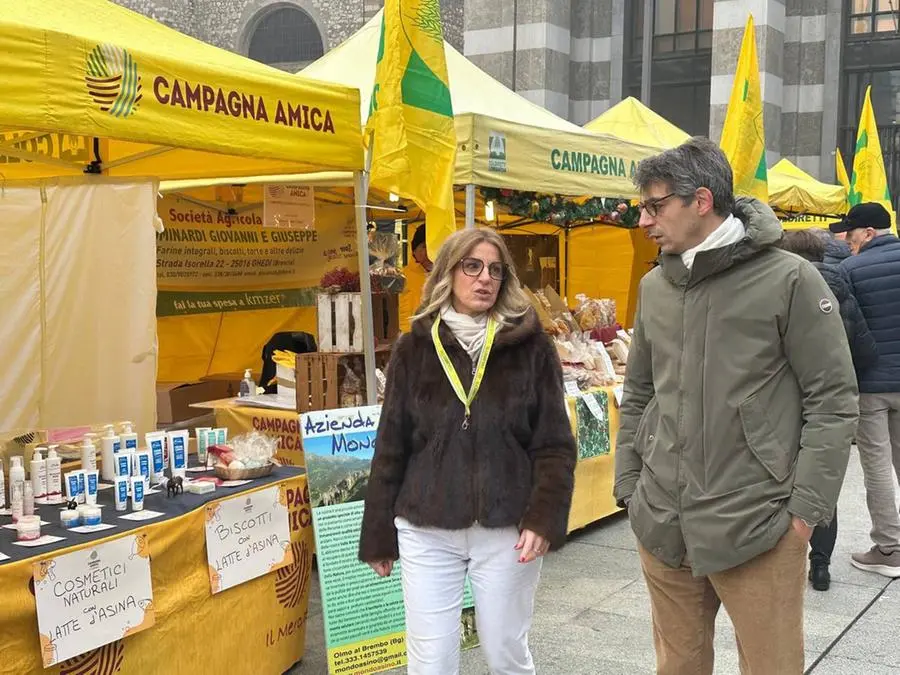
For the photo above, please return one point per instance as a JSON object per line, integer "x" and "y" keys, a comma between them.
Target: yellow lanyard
{"x": 450, "y": 371}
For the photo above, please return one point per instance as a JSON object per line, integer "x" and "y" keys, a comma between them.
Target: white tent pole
{"x": 470, "y": 206}
{"x": 361, "y": 191}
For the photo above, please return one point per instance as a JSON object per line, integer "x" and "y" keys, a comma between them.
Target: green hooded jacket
{"x": 740, "y": 401}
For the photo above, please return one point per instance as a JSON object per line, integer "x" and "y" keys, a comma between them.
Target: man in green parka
{"x": 739, "y": 410}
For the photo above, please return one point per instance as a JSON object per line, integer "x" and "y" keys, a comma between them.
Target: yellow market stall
{"x": 86, "y": 120}
{"x": 98, "y": 104}
{"x": 801, "y": 201}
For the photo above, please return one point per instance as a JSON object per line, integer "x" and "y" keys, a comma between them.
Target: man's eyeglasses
{"x": 472, "y": 267}
{"x": 651, "y": 206}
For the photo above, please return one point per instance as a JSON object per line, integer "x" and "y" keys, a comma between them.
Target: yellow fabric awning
{"x": 631, "y": 120}
{"x": 159, "y": 103}
{"x": 792, "y": 190}
{"x": 503, "y": 139}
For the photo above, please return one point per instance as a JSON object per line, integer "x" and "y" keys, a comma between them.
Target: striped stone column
{"x": 729, "y": 20}
{"x": 595, "y": 57}
{"x": 542, "y": 47}
{"x": 806, "y": 27}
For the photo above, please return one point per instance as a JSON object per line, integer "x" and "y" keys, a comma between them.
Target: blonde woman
{"x": 474, "y": 461}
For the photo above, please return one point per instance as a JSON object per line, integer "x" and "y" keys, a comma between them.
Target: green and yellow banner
{"x": 743, "y": 137}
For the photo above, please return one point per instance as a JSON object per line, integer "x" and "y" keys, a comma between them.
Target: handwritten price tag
{"x": 571, "y": 388}
{"x": 246, "y": 537}
{"x": 93, "y": 596}
{"x": 594, "y": 407}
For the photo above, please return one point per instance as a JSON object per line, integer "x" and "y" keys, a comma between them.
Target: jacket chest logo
{"x": 826, "y": 306}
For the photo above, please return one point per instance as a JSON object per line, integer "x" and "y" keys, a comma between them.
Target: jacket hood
{"x": 835, "y": 251}
{"x": 514, "y": 331}
{"x": 762, "y": 231}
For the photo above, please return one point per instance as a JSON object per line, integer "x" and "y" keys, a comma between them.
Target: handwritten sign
{"x": 571, "y": 388}
{"x": 289, "y": 206}
{"x": 247, "y": 536}
{"x": 93, "y": 596}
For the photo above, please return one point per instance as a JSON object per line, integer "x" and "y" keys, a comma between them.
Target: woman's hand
{"x": 383, "y": 568}
{"x": 532, "y": 546}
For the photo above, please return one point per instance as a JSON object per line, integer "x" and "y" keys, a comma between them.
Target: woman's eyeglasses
{"x": 472, "y": 267}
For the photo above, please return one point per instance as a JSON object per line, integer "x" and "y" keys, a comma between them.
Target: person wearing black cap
{"x": 874, "y": 275}
{"x": 419, "y": 250}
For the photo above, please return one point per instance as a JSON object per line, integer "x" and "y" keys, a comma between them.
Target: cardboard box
{"x": 173, "y": 399}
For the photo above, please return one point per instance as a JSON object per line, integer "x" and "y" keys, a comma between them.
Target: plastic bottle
{"x": 88, "y": 453}
{"x": 129, "y": 439}
{"x": 54, "y": 474}
{"x": 17, "y": 487}
{"x": 110, "y": 445}
{"x": 2, "y": 486}
{"x": 38, "y": 475}
{"x": 248, "y": 386}
{"x": 28, "y": 499}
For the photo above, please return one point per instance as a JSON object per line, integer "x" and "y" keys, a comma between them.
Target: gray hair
{"x": 698, "y": 163}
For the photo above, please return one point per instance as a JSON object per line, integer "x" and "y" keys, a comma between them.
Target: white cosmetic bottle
{"x": 54, "y": 475}
{"x": 110, "y": 446}
{"x": 38, "y": 476}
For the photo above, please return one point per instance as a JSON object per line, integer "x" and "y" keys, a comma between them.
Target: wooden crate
{"x": 320, "y": 376}
{"x": 340, "y": 320}
{"x": 386, "y": 317}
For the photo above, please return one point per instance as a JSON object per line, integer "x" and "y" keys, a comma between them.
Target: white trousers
{"x": 434, "y": 564}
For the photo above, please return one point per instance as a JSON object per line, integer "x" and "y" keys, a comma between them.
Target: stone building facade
{"x": 232, "y": 24}
{"x": 579, "y": 57}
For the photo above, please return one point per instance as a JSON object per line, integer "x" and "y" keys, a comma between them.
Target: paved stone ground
{"x": 593, "y": 613}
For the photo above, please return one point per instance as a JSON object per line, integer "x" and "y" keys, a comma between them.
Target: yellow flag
{"x": 410, "y": 132}
{"x": 743, "y": 137}
{"x": 841, "y": 170}
{"x": 869, "y": 180}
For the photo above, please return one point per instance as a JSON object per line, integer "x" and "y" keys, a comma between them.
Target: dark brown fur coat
{"x": 514, "y": 465}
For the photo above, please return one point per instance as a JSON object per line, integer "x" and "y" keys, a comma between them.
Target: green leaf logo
{"x": 112, "y": 80}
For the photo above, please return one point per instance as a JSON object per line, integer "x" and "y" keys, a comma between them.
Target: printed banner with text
{"x": 211, "y": 260}
{"x": 364, "y": 616}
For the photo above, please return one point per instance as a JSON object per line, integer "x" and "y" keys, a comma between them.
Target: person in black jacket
{"x": 817, "y": 246}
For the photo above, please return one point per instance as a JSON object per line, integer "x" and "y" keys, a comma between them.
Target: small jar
{"x": 82, "y": 513}
{"x": 69, "y": 518}
{"x": 28, "y": 528}
{"x": 92, "y": 516}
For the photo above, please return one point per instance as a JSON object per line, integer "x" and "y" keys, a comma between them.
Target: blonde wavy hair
{"x": 511, "y": 300}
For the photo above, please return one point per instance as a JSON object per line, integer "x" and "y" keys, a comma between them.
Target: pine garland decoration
{"x": 563, "y": 211}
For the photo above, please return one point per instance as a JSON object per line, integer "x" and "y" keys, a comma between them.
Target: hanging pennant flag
{"x": 743, "y": 137}
{"x": 410, "y": 133}
{"x": 869, "y": 180}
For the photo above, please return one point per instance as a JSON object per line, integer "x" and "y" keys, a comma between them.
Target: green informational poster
{"x": 592, "y": 415}
{"x": 365, "y": 628}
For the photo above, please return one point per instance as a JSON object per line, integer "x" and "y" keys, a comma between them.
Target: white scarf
{"x": 469, "y": 331}
{"x": 731, "y": 231}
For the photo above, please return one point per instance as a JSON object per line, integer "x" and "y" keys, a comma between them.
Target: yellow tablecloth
{"x": 257, "y": 627}
{"x": 594, "y": 477}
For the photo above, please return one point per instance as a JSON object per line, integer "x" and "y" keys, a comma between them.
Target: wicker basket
{"x": 243, "y": 474}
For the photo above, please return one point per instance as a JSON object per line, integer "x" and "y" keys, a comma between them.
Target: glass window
{"x": 886, "y": 23}
{"x": 687, "y": 17}
{"x": 874, "y": 16}
{"x": 665, "y": 17}
{"x": 286, "y": 36}
{"x": 706, "y": 14}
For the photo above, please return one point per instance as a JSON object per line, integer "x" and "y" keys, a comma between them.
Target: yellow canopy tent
{"x": 801, "y": 200}
{"x": 92, "y": 95}
{"x": 630, "y": 119}
{"x": 506, "y": 141}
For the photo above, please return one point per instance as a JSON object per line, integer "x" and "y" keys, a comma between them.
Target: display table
{"x": 257, "y": 627}
{"x": 594, "y": 477}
